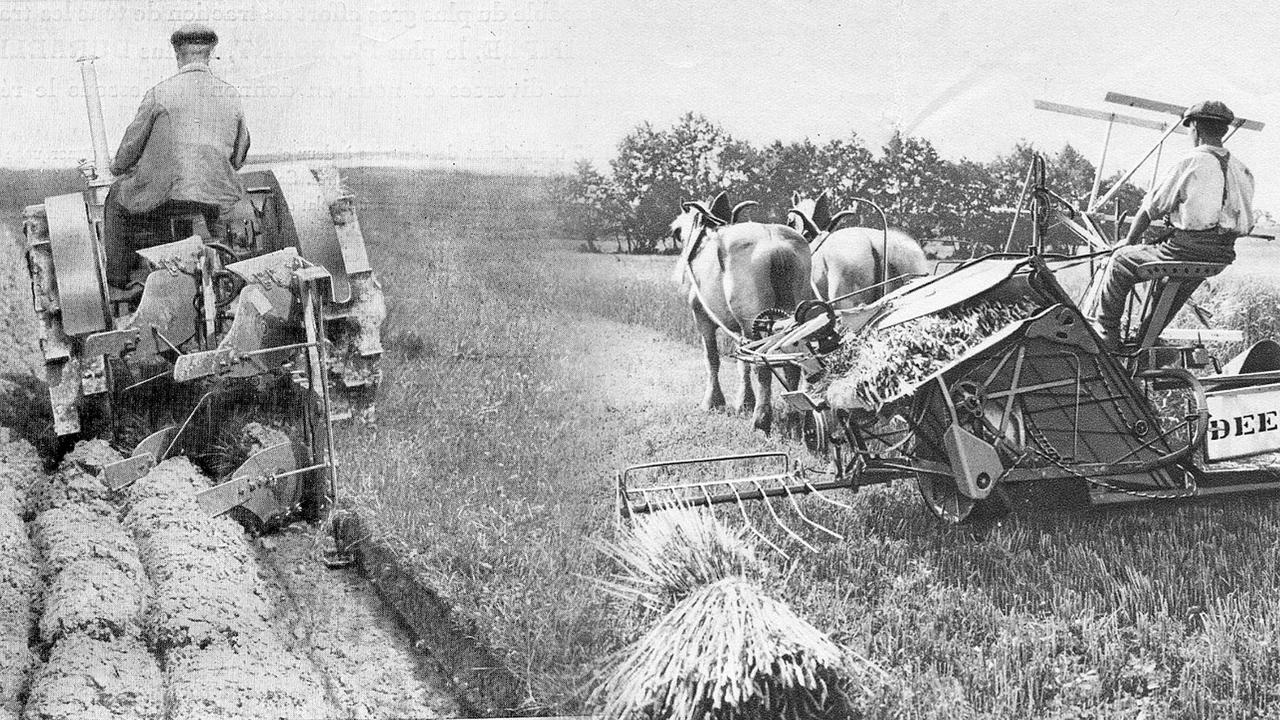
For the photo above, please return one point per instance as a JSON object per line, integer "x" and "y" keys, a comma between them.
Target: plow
{"x": 274, "y": 313}
{"x": 1020, "y": 404}
{"x": 169, "y": 554}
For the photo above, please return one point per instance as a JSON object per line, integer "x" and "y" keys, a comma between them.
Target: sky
{"x": 537, "y": 84}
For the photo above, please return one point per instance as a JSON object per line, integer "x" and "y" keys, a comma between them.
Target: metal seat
{"x": 1170, "y": 286}
{"x": 186, "y": 224}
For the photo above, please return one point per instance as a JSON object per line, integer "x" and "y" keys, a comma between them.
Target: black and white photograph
{"x": 597, "y": 360}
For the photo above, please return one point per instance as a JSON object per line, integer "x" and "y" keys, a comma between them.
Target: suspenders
{"x": 1223, "y": 159}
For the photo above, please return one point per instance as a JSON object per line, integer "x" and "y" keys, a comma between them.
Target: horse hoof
{"x": 713, "y": 403}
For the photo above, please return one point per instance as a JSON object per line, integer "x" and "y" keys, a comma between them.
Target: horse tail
{"x": 772, "y": 274}
{"x": 787, "y": 279}
{"x": 906, "y": 258}
{"x": 877, "y": 269}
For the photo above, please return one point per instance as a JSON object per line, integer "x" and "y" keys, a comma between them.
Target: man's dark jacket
{"x": 185, "y": 144}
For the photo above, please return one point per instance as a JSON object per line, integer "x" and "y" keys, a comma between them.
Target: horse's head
{"x": 692, "y": 224}
{"x": 800, "y": 216}
{"x": 813, "y": 218}
{"x": 697, "y": 218}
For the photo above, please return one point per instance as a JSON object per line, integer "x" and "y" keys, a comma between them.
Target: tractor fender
{"x": 81, "y": 289}
{"x": 308, "y": 221}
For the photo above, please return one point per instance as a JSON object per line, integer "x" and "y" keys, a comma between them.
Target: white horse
{"x": 850, "y": 259}
{"x": 732, "y": 272}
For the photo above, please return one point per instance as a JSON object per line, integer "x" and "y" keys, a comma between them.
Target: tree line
{"x": 654, "y": 170}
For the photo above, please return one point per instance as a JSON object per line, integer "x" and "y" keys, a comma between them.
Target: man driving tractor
{"x": 179, "y": 156}
{"x": 1207, "y": 197}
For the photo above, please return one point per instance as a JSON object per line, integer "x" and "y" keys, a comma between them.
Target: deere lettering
{"x": 1243, "y": 421}
{"x": 1222, "y": 428}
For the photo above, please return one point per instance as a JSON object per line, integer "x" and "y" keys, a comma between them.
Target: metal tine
{"x": 186, "y": 422}
{"x": 742, "y": 510}
{"x": 778, "y": 520}
{"x": 816, "y": 525}
{"x": 644, "y": 495}
{"x": 677, "y": 496}
{"x": 822, "y": 496}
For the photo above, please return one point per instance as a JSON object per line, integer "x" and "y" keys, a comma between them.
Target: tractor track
{"x": 136, "y": 605}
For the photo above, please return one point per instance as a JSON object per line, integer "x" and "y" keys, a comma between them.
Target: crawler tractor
{"x": 279, "y": 302}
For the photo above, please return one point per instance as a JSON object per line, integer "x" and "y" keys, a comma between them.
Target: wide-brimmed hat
{"x": 1209, "y": 110}
{"x": 193, "y": 34}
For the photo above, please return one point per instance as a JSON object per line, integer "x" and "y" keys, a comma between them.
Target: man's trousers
{"x": 123, "y": 232}
{"x": 1181, "y": 245}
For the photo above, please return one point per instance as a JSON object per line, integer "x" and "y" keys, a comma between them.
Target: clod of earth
{"x": 255, "y": 437}
{"x": 93, "y": 597}
{"x": 202, "y": 593}
{"x": 75, "y": 483}
{"x": 209, "y": 619}
{"x": 87, "y": 678}
{"x": 19, "y": 348}
{"x": 65, "y": 535}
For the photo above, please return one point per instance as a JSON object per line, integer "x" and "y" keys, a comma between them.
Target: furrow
{"x": 93, "y": 597}
{"x": 19, "y": 465}
{"x": 210, "y": 621}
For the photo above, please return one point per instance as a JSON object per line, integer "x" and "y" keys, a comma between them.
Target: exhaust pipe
{"x": 97, "y": 128}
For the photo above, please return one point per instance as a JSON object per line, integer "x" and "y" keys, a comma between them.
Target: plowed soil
{"x": 135, "y": 604}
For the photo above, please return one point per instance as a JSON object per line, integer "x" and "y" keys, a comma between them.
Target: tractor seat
{"x": 186, "y": 224}
{"x": 166, "y": 225}
{"x": 1171, "y": 285}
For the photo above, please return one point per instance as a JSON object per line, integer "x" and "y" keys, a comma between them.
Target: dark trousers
{"x": 1180, "y": 246}
{"x": 123, "y": 232}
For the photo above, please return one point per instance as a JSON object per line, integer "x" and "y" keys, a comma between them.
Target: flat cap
{"x": 1209, "y": 110}
{"x": 193, "y": 34}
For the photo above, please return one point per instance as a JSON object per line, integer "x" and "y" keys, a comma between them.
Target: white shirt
{"x": 1190, "y": 193}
